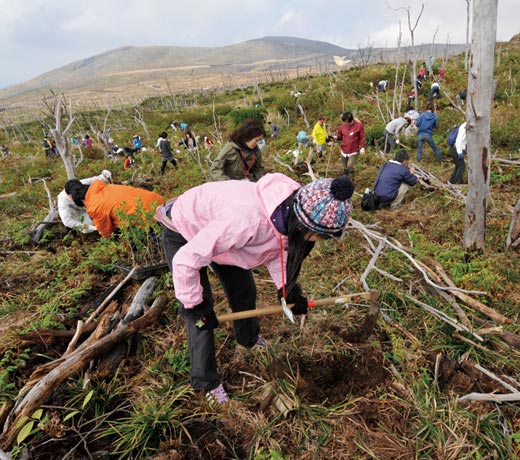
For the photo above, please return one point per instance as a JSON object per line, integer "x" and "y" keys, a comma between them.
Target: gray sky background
{"x": 37, "y": 36}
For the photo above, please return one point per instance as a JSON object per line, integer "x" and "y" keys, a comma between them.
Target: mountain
{"x": 140, "y": 71}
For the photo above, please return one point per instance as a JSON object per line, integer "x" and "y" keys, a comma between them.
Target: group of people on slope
{"x": 350, "y": 134}
{"x": 241, "y": 220}
{"x": 230, "y": 224}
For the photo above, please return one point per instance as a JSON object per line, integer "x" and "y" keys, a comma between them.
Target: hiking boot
{"x": 217, "y": 395}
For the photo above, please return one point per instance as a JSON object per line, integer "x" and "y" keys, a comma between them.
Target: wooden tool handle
{"x": 372, "y": 295}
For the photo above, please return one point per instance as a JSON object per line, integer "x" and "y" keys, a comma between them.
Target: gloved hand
{"x": 461, "y": 156}
{"x": 296, "y": 297}
{"x": 202, "y": 315}
{"x": 397, "y": 141}
{"x": 107, "y": 175}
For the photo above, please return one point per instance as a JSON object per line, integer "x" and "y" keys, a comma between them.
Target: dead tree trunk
{"x": 466, "y": 50}
{"x": 478, "y": 114}
{"x": 61, "y": 136}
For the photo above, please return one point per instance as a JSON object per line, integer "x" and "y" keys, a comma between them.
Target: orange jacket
{"x": 103, "y": 200}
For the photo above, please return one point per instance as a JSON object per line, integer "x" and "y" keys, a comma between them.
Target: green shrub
{"x": 240, "y": 115}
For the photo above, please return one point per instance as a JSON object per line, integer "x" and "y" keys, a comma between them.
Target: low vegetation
{"x": 319, "y": 390}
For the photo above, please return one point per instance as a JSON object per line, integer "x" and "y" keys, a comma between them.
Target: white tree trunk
{"x": 478, "y": 114}
{"x": 61, "y": 136}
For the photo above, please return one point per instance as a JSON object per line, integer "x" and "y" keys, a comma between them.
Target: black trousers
{"x": 173, "y": 161}
{"x": 460, "y": 167}
{"x": 240, "y": 290}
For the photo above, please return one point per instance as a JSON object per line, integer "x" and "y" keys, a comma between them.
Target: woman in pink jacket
{"x": 235, "y": 226}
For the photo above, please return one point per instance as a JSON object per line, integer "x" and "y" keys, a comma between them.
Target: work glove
{"x": 397, "y": 141}
{"x": 107, "y": 175}
{"x": 201, "y": 315}
{"x": 296, "y": 297}
{"x": 461, "y": 156}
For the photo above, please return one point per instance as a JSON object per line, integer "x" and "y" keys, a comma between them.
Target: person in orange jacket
{"x": 102, "y": 201}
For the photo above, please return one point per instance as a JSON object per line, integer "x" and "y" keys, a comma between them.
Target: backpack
{"x": 452, "y": 137}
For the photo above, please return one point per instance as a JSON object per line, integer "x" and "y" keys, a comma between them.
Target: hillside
{"x": 137, "y": 72}
{"x": 336, "y": 385}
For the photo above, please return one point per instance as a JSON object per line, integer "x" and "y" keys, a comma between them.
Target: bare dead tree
{"x": 412, "y": 28}
{"x": 397, "y": 64}
{"x": 140, "y": 120}
{"x": 466, "y": 51}
{"x": 61, "y": 136}
{"x": 478, "y": 114}
{"x": 365, "y": 53}
{"x": 259, "y": 92}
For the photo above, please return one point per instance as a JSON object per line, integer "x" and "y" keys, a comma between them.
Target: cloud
{"x": 41, "y": 35}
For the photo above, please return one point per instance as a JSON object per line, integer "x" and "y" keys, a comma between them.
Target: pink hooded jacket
{"x": 227, "y": 223}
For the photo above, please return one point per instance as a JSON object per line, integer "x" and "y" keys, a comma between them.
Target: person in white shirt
{"x": 75, "y": 217}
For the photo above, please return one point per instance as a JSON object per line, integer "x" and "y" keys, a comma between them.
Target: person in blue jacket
{"x": 426, "y": 123}
{"x": 138, "y": 143}
{"x": 393, "y": 180}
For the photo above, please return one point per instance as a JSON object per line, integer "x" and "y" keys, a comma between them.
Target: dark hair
{"x": 401, "y": 156}
{"x": 164, "y": 134}
{"x": 347, "y": 116}
{"x": 246, "y": 131}
{"x": 298, "y": 247}
{"x": 78, "y": 194}
{"x": 71, "y": 184}
{"x": 430, "y": 106}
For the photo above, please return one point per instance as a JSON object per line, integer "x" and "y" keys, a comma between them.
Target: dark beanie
{"x": 323, "y": 206}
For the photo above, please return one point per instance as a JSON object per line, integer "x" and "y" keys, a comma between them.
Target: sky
{"x": 37, "y": 36}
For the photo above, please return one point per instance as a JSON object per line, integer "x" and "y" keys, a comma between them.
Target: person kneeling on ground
{"x": 273, "y": 223}
{"x": 75, "y": 217}
{"x": 393, "y": 180}
{"x": 103, "y": 202}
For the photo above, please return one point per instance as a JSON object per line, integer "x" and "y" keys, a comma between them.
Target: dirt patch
{"x": 328, "y": 378}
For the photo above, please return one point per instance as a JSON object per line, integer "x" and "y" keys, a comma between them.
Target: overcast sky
{"x": 37, "y": 36}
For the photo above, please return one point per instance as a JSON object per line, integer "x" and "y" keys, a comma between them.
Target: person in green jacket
{"x": 319, "y": 134}
{"x": 240, "y": 158}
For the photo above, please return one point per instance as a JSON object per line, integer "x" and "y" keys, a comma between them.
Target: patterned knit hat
{"x": 323, "y": 206}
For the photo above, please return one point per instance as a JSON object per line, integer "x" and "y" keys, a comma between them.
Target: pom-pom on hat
{"x": 323, "y": 206}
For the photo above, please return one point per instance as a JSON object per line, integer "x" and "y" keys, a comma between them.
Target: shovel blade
{"x": 287, "y": 311}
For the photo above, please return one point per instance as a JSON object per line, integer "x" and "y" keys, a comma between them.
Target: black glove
{"x": 202, "y": 315}
{"x": 296, "y": 297}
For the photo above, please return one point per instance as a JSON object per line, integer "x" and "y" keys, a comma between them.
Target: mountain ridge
{"x": 165, "y": 69}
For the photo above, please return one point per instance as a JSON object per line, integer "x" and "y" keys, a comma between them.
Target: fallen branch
{"x": 112, "y": 294}
{"x": 490, "y": 374}
{"x": 40, "y": 392}
{"x": 493, "y": 397}
{"x": 398, "y": 247}
{"x": 444, "y": 317}
{"x": 7, "y": 195}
